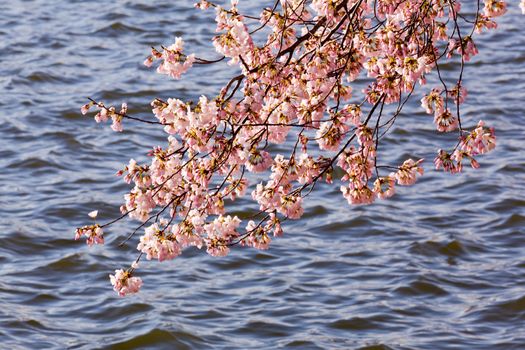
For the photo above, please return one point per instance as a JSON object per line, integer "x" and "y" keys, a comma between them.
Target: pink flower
{"x": 258, "y": 237}
{"x": 266, "y": 196}
{"x": 480, "y": 140}
{"x": 446, "y": 121}
{"x": 216, "y": 247}
{"x": 94, "y": 234}
{"x": 159, "y": 243}
{"x": 357, "y": 165}
{"x": 445, "y": 161}
{"x": 185, "y": 235}
{"x": 168, "y": 249}
{"x": 85, "y": 108}
{"x": 413, "y": 68}
{"x": 148, "y": 62}
{"x": 236, "y": 42}
{"x": 358, "y": 195}
{"x": 489, "y": 141}
{"x": 117, "y": 119}
{"x": 465, "y": 47}
{"x": 291, "y": 206}
{"x": 351, "y": 114}
{"x": 102, "y": 116}
{"x": 474, "y": 163}
{"x": 495, "y": 8}
{"x": 124, "y": 108}
{"x": 174, "y": 62}
{"x": 433, "y": 102}
{"x": 275, "y": 223}
{"x": 457, "y": 156}
{"x": 307, "y": 168}
{"x": 485, "y": 22}
{"x": 365, "y": 137}
{"x": 224, "y": 227}
{"x": 116, "y": 126}
{"x": 202, "y": 4}
{"x": 124, "y": 284}
{"x": 406, "y": 175}
{"x": 329, "y": 135}
{"x": 458, "y": 93}
{"x": 384, "y": 186}
{"x": 259, "y": 161}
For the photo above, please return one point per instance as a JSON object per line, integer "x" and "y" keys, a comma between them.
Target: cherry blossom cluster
{"x": 295, "y": 89}
{"x": 480, "y": 140}
{"x": 107, "y": 113}
{"x": 174, "y": 62}
{"x": 93, "y": 233}
{"x": 123, "y": 282}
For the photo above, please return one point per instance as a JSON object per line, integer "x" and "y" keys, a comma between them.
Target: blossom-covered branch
{"x": 301, "y": 64}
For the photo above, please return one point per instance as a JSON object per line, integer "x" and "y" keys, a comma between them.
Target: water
{"x": 439, "y": 267}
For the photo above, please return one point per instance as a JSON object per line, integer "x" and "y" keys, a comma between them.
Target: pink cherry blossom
{"x": 259, "y": 161}
{"x": 291, "y": 116}
{"x": 458, "y": 94}
{"x": 433, "y": 102}
{"x": 117, "y": 123}
{"x": 159, "y": 243}
{"x": 124, "y": 284}
{"x": 185, "y": 235}
{"x": 148, "y": 62}
{"x": 291, "y": 206}
{"x": 446, "y": 121}
{"x": 464, "y": 47}
{"x": 174, "y": 62}
{"x": 216, "y": 247}
{"x": 495, "y": 8}
{"x": 485, "y": 22}
{"x": 203, "y": 4}
{"x": 85, "y": 108}
{"x": 384, "y": 187}
{"x": 101, "y": 116}
{"x": 444, "y": 160}
{"x": 93, "y": 233}
{"x": 358, "y": 195}
{"x": 406, "y": 175}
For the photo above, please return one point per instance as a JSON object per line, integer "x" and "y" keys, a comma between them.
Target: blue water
{"x": 440, "y": 266}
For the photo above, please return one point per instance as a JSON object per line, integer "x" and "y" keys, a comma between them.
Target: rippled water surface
{"x": 440, "y": 267}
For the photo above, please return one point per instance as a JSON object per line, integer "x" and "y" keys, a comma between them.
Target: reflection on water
{"x": 439, "y": 267}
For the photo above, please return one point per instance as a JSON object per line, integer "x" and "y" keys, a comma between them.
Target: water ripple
{"x": 438, "y": 267}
